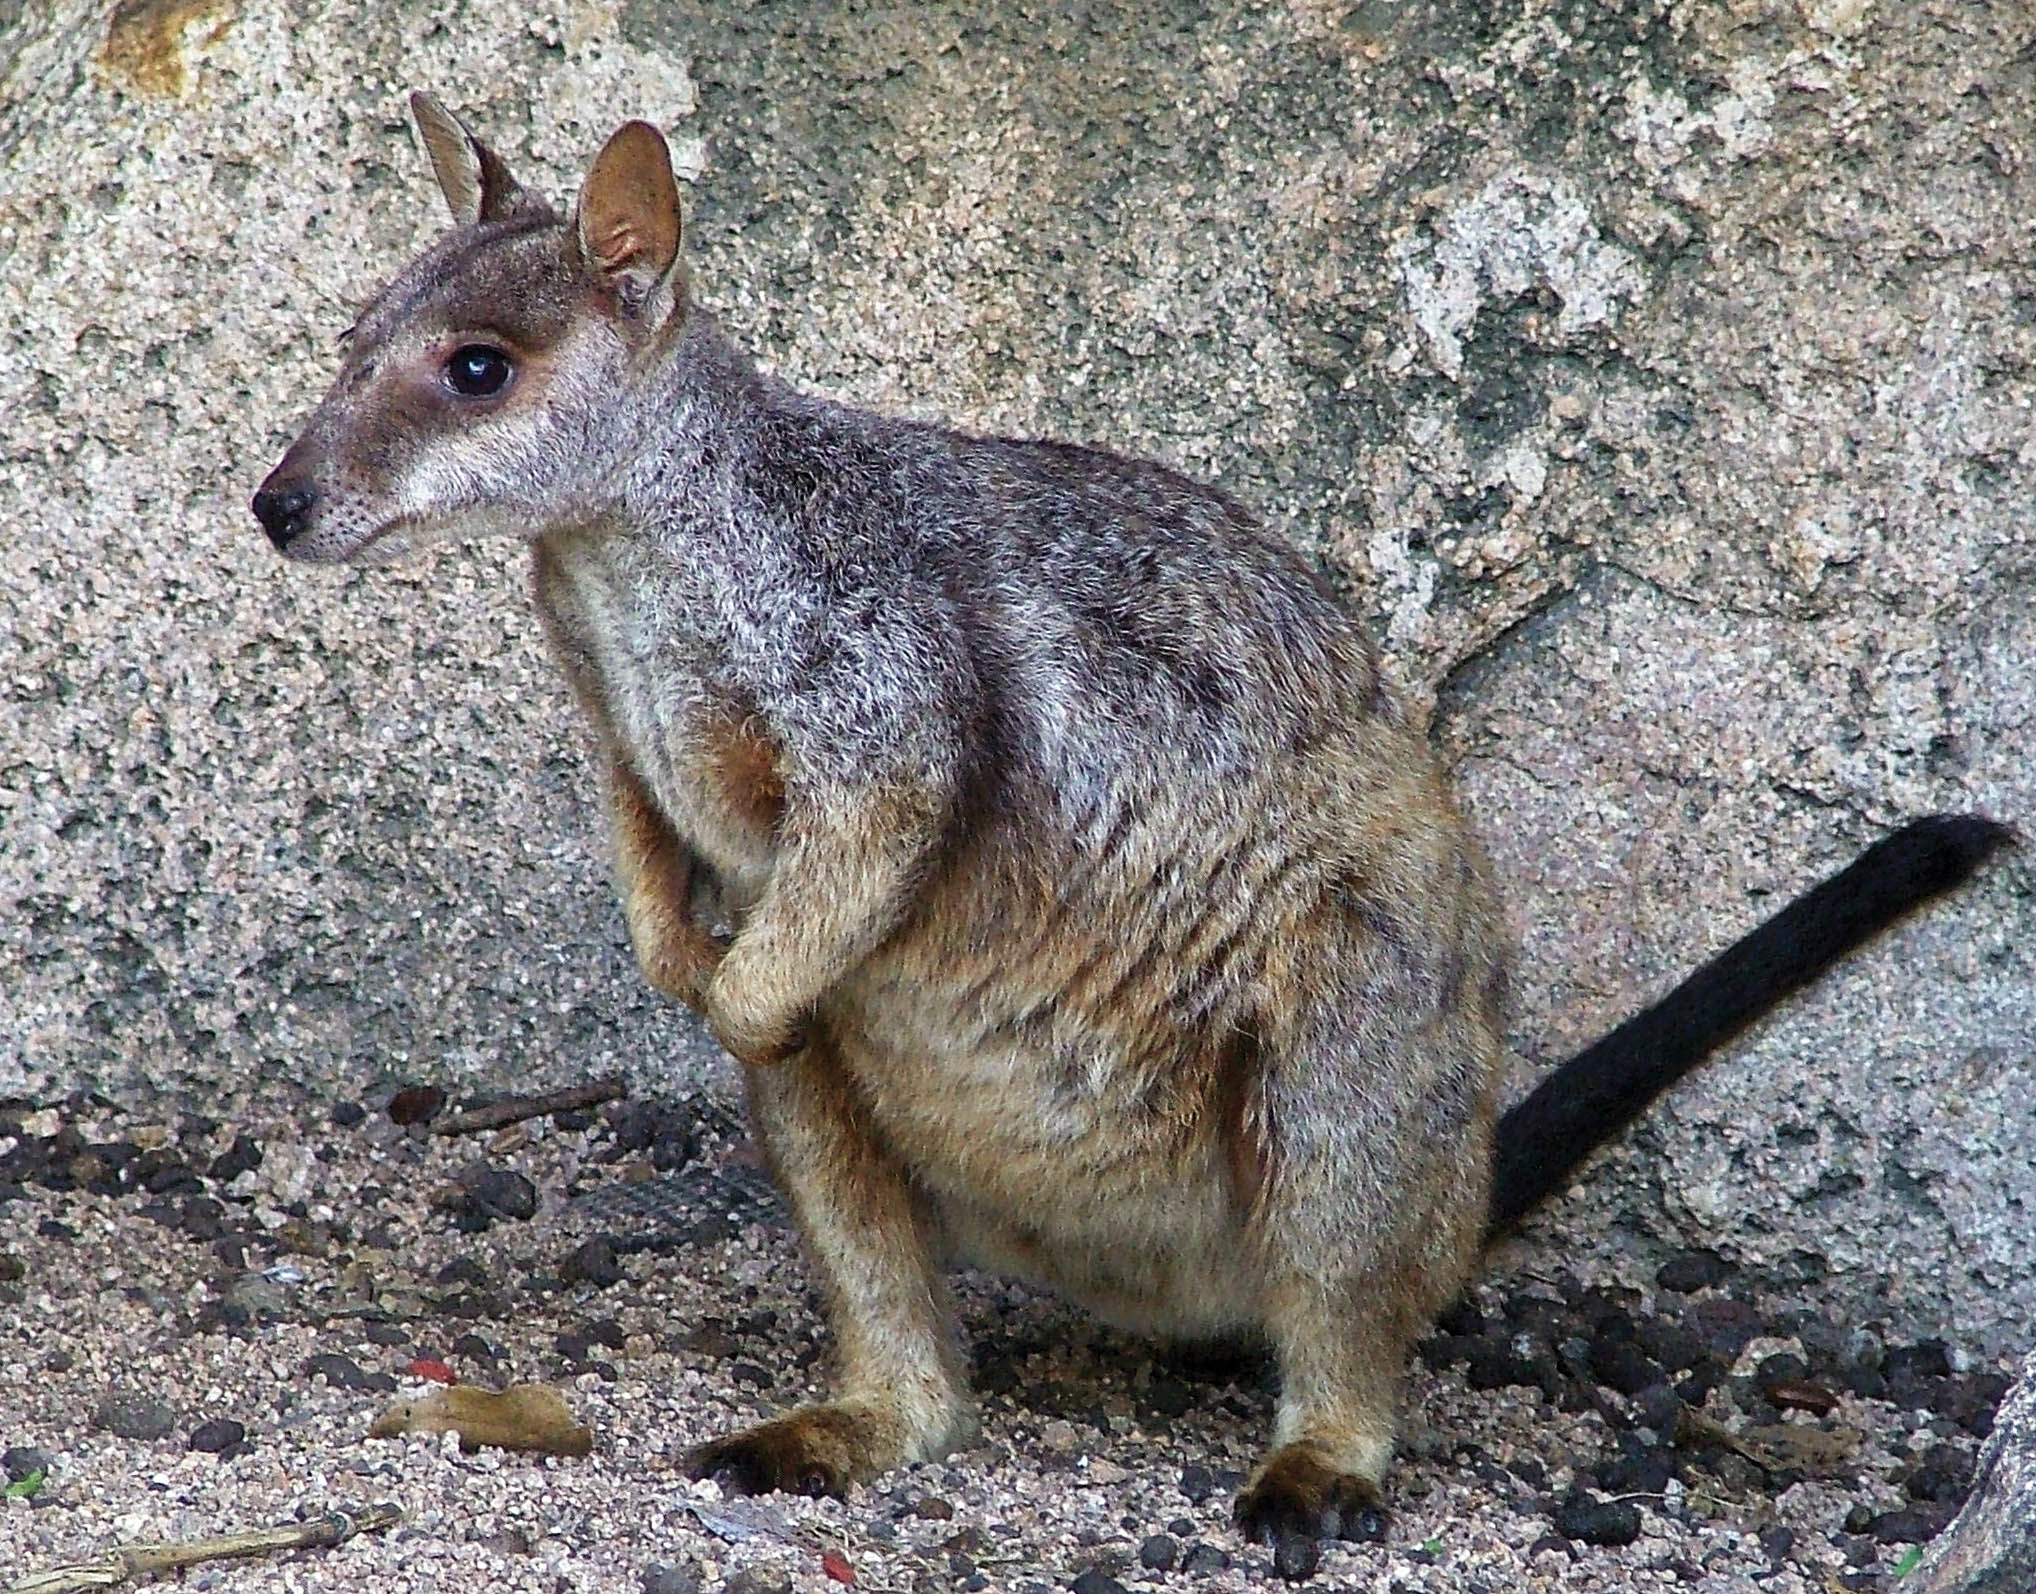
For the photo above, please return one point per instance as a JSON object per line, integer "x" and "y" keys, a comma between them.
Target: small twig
{"x": 515, "y": 1109}
{"x": 145, "y": 1560}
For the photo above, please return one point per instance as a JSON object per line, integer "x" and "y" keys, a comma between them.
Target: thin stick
{"x": 145, "y": 1560}
{"x": 514, "y": 1109}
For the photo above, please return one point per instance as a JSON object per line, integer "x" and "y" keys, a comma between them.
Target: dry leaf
{"x": 521, "y": 1417}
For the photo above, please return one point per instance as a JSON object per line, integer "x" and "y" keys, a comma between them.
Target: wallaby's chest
{"x": 660, "y": 701}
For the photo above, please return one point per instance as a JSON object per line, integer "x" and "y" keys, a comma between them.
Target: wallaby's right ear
{"x": 477, "y": 185}
{"x": 627, "y": 226}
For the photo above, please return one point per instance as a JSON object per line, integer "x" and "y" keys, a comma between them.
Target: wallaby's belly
{"x": 1037, "y": 1168}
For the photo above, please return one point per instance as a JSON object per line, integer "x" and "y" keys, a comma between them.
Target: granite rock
{"x": 1658, "y": 378}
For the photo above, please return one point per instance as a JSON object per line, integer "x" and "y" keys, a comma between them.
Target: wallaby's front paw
{"x": 1298, "y": 1499}
{"x": 815, "y": 1450}
{"x": 754, "y": 1039}
{"x": 755, "y": 1051}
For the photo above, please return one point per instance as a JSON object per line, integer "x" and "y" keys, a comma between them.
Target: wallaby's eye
{"x": 477, "y": 370}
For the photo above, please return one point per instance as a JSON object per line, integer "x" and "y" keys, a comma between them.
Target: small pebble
{"x": 670, "y": 1580}
{"x": 1197, "y": 1482}
{"x": 135, "y": 1417}
{"x": 1690, "y": 1271}
{"x": 243, "y": 1156}
{"x": 932, "y": 1508}
{"x": 1097, "y": 1581}
{"x": 339, "y": 1371}
{"x": 214, "y": 1437}
{"x": 417, "y": 1105}
{"x": 503, "y": 1193}
{"x": 1159, "y": 1553}
{"x": 1204, "y": 1558}
{"x": 346, "y": 1114}
{"x": 593, "y": 1264}
{"x": 22, "y": 1461}
{"x": 1601, "y": 1522}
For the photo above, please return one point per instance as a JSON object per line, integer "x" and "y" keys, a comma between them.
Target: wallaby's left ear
{"x": 628, "y": 221}
{"x": 477, "y": 185}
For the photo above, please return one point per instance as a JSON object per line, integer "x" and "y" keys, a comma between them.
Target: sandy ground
{"x": 208, "y": 1299}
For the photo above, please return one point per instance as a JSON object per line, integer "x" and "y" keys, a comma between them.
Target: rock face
{"x": 1659, "y": 378}
{"x": 1990, "y": 1548}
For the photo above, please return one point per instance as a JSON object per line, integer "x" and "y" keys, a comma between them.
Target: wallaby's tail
{"x": 1599, "y": 1091}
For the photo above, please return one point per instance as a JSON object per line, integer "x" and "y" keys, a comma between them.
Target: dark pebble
{"x": 1942, "y": 1474}
{"x": 751, "y": 1374}
{"x": 135, "y": 1417}
{"x": 1778, "y": 1541}
{"x": 1659, "y": 1408}
{"x": 221, "y": 1433}
{"x": 607, "y": 1332}
{"x": 55, "y": 1229}
{"x": 242, "y": 1156}
{"x": 1690, "y": 1271}
{"x": 461, "y": 1270}
{"x": 12, "y": 1268}
{"x": 385, "y": 1334}
{"x": 346, "y": 1114}
{"x": 1646, "y": 1470}
{"x": 1859, "y": 1518}
{"x": 1492, "y": 1364}
{"x": 573, "y": 1345}
{"x": 503, "y": 1193}
{"x": 1622, "y": 1365}
{"x": 593, "y": 1264}
{"x": 634, "y": 1126}
{"x": 1097, "y": 1581}
{"x": 1296, "y": 1557}
{"x": 473, "y": 1348}
{"x": 22, "y": 1461}
{"x": 1725, "y": 1324}
{"x": 1783, "y": 1368}
{"x": 1671, "y": 1342}
{"x": 59, "y": 1361}
{"x": 1550, "y": 1541}
{"x": 339, "y": 1371}
{"x": 1197, "y": 1483}
{"x": 1181, "y": 1527}
{"x": 1912, "y": 1524}
{"x": 202, "y": 1218}
{"x": 931, "y": 1508}
{"x": 1602, "y": 1522}
{"x": 1204, "y": 1558}
{"x": 670, "y": 1580}
{"x": 1159, "y": 1553}
{"x": 757, "y": 1580}
{"x": 1929, "y": 1359}
{"x": 419, "y": 1104}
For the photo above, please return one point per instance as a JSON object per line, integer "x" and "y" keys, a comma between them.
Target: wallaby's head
{"x": 487, "y": 388}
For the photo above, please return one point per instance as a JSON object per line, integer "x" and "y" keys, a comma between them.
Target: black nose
{"x": 283, "y": 512}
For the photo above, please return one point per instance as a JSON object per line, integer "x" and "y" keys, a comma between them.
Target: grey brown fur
{"x": 1097, "y": 914}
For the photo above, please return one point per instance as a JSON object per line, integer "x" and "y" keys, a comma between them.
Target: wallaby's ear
{"x": 477, "y": 185}
{"x": 628, "y": 222}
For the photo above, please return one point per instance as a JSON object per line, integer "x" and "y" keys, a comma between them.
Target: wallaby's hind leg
{"x": 1342, "y": 1351}
{"x": 902, "y": 1395}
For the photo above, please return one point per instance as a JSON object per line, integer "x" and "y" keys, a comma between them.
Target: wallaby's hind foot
{"x": 818, "y": 1450}
{"x": 1298, "y": 1492}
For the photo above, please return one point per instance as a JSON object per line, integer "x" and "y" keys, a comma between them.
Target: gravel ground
{"x": 199, "y": 1320}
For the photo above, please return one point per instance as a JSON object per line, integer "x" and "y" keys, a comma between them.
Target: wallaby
{"x": 1099, "y": 914}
